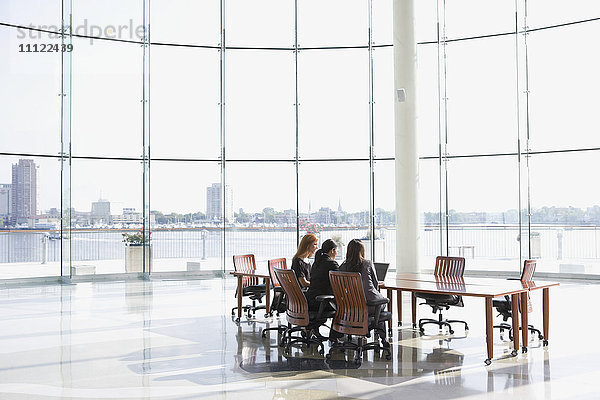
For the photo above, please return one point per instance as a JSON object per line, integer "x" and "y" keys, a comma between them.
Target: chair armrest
{"x": 378, "y": 302}
{"x": 324, "y": 299}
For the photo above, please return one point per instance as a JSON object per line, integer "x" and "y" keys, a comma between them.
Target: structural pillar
{"x": 407, "y": 157}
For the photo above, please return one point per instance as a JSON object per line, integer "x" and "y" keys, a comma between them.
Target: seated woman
{"x": 356, "y": 262}
{"x": 319, "y": 281}
{"x": 300, "y": 265}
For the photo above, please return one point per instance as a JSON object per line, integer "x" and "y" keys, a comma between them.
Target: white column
{"x": 405, "y": 115}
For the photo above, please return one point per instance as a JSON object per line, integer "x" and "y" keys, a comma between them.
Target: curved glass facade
{"x": 233, "y": 127}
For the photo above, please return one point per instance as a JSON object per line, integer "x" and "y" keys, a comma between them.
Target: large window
{"x": 238, "y": 126}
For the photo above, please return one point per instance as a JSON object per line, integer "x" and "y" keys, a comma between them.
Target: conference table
{"x": 252, "y": 278}
{"x": 487, "y": 288}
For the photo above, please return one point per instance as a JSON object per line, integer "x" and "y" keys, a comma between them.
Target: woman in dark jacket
{"x": 319, "y": 273}
{"x": 356, "y": 262}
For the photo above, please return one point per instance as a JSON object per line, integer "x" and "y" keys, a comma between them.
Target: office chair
{"x": 351, "y": 315}
{"x": 444, "y": 267}
{"x": 306, "y": 322}
{"x": 250, "y": 286}
{"x": 279, "y": 303}
{"x": 504, "y": 307}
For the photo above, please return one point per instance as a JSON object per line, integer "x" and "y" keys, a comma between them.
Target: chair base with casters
{"x": 504, "y": 308}
{"x": 255, "y": 293}
{"x": 504, "y": 326}
{"x": 377, "y": 324}
{"x": 278, "y": 302}
{"x": 310, "y": 333}
{"x": 438, "y": 303}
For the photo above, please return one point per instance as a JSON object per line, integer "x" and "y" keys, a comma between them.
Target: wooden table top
{"x": 476, "y": 281}
{"x": 258, "y": 274}
{"x": 469, "y": 286}
{"x": 455, "y": 287}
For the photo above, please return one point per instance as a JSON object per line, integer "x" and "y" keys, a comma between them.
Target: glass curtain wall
{"x": 254, "y": 134}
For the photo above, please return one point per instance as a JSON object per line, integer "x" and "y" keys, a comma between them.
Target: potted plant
{"x": 137, "y": 248}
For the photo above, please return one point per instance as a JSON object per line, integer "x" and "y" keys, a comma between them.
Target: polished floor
{"x": 177, "y": 340}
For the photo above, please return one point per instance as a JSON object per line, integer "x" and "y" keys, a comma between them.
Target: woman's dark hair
{"x": 355, "y": 254}
{"x": 328, "y": 245}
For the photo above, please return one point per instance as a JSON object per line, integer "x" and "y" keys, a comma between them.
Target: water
{"x": 497, "y": 242}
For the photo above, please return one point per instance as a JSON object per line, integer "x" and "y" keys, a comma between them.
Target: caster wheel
{"x": 540, "y": 337}
{"x": 422, "y": 330}
{"x": 451, "y": 332}
{"x": 264, "y": 334}
{"x": 414, "y": 325}
{"x": 388, "y": 356}
{"x": 545, "y": 343}
{"x": 399, "y": 323}
{"x": 514, "y": 353}
{"x": 267, "y": 315}
{"x": 328, "y": 356}
{"x": 466, "y": 328}
{"x": 524, "y": 349}
{"x": 487, "y": 362}
{"x": 237, "y": 320}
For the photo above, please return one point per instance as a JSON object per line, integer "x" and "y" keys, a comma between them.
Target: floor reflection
{"x": 177, "y": 340}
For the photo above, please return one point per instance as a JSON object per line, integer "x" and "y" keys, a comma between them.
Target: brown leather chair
{"x": 300, "y": 319}
{"x": 352, "y": 318}
{"x": 504, "y": 307}
{"x": 279, "y": 299}
{"x": 250, "y": 285}
{"x": 444, "y": 267}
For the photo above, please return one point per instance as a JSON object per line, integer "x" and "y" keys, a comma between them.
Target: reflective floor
{"x": 177, "y": 340}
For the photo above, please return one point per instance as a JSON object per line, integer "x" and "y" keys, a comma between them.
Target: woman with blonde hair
{"x": 300, "y": 265}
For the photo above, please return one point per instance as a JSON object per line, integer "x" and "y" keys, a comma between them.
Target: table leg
{"x": 524, "y": 322}
{"x": 390, "y": 309}
{"x": 399, "y": 300}
{"x": 489, "y": 330}
{"x": 515, "y": 323}
{"x": 268, "y": 296}
{"x": 414, "y": 308}
{"x": 239, "y": 297}
{"x": 546, "y": 305}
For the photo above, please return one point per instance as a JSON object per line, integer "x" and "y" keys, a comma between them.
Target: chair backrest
{"x": 449, "y": 266}
{"x": 381, "y": 270}
{"x": 297, "y": 306}
{"x": 526, "y": 276}
{"x": 351, "y": 315}
{"x": 528, "y": 270}
{"x": 246, "y": 263}
{"x": 279, "y": 263}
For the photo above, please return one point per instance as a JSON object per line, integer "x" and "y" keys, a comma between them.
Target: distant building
{"x": 4, "y": 200}
{"x": 24, "y": 192}
{"x": 214, "y": 207}
{"x": 130, "y": 216}
{"x": 101, "y": 211}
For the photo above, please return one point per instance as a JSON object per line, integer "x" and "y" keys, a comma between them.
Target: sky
{"x": 333, "y": 105}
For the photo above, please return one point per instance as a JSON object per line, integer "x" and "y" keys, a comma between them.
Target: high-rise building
{"x": 4, "y": 201}
{"x": 214, "y": 207}
{"x": 24, "y": 192}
